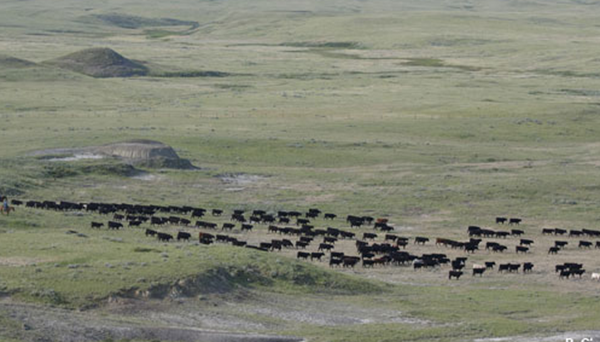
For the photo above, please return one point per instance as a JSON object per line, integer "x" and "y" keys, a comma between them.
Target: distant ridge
{"x": 100, "y": 62}
{"x": 8, "y": 62}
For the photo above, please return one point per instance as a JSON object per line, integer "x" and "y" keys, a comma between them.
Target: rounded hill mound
{"x": 100, "y": 62}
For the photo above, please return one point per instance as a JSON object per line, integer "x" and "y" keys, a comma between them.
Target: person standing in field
{"x": 5, "y": 207}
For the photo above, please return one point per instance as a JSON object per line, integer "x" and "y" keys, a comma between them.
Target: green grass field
{"x": 435, "y": 114}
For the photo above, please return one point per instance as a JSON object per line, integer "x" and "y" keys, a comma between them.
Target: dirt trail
{"x": 36, "y": 323}
{"x": 574, "y": 335}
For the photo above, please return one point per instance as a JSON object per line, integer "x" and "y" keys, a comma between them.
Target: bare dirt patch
{"x": 239, "y": 178}
{"x": 574, "y": 335}
{"x": 145, "y": 153}
{"x": 53, "y": 324}
{"x": 19, "y": 261}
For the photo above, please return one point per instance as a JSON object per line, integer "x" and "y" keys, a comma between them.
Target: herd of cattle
{"x": 303, "y": 234}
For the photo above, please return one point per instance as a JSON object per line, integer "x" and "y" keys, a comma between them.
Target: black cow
{"x": 590, "y": 232}
{"x": 217, "y": 212}
{"x": 135, "y": 223}
{"x": 501, "y": 220}
{"x": 347, "y": 235}
{"x": 205, "y": 238}
{"x": 311, "y": 214}
{"x": 573, "y": 233}
{"x": 514, "y": 267}
{"x": 474, "y": 230}
{"x": 526, "y": 242}
{"x": 457, "y": 265}
{"x": 316, "y": 255}
{"x": 294, "y": 213}
{"x": 356, "y": 222}
{"x": 258, "y": 212}
{"x": 97, "y": 225}
{"x": 455, "y": 274}
{"x": 517, "y": 232}
{"x": 572, "y": 265}
{"x": 499, "y": 248}
{"x": 114, "y": 225}
{"x": 471, "y": 247}
{"x": 421, "y": 240}
{"x": 585, "y": 244}
{"x": 527, "y": 267}
{"x": 302, "y": 221}
{"x": 521, "y": 249}
{"x": 222, "y": 238}
{"x": 369, "y": 236}
{"x": 553, "y": 250}
{"x": 150, "y": 232}
{"x": 559, "y": 231}
{"x": 564, "y": 274}
{"x": 401, "y": 243}
{"x": 547, "y": 231}
{"x": 490, "y": 264}
{"x": 390, "y": 237}
{"x": 479, "y": 271}
{"x": 325, "y": 246}
{"x": 329, "y": 216}
{"x": 164, "y": 237}
{"x": 514, "y": 221}
{"x": 502, "y": 234}
{"x": 338, "y": 255}
{"x": 367, "y": 255}
{"x": 503, "y": 267}
{"x": 198, "y": 213}
{"x": 301, "y": 244}
{"x": 228, "y": 226}
{"x": 560, "y": 244}
{"x": 276, "y": 245}
{"x": 183, "y": 236}
{"x": 350, "y": 261}
{"x": 238, "y": 218}
{"x": 247, "y": 227}
{"x": 156, "y": 221}
{"x": 367, "y": 219}
{"x": 303, "y": 255}
{"x": 386, "y": 228}
{"x": 329, "y": 239}
{"x": 335, "y": 262}
{"x": 266, "y": 245}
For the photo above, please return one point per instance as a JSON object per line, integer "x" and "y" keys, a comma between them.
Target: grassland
{"x": 435, "y": 114}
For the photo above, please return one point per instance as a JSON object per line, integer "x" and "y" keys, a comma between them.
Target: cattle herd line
{"x": 390, "y": 252}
